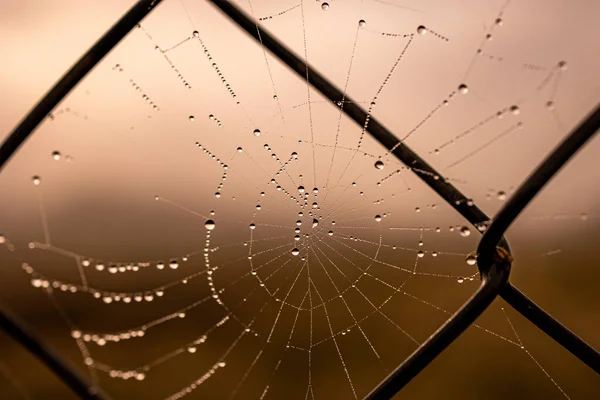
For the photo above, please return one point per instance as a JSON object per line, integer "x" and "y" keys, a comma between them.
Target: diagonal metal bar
{"x": 89, "y": 60}
{"x": 522, "y": 197}
{"x": 489, "y": 247}
{"x": 494, "y": 262}
{"x": 429, "y": 175}
{"x": 536, "y": 181}
{"x": 494, "y": 275}
{"x": 84, "y": 65}
{"x": 447, "y": 333}
{"x": 551, "y": 327}
{"x": 69, "y": 376}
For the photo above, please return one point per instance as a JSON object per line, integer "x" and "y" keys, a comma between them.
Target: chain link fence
{"x": 494, "y": 258}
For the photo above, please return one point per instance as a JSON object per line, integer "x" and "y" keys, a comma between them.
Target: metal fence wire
{"x": 494, "y": 259}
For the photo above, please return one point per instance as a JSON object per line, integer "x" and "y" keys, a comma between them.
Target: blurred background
{"x": 149, "y": 226}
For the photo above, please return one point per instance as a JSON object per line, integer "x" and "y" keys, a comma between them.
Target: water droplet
{"x": 298, "y": 223}
{"x": 191, "y": 118}
{"x": 315, "y": 223}
{"x": 421, "y": 30}
{"x": 325, "y": 6}
{"x": 173, "y": 264}
{"x": 56, "y": 155}
{"x": 295, "y": 155}
{"x": 257, "y": 132}
{"x": 209, "y": 224}
{"x": 301, "y": 189}
{"x": 471, "y": 259}
{"x": 434, "y": 254}
{"x": 362, "y": 23}
{"x": 465, "y": 231}
{"x": 379, "y": 164}
{"x": 295, "y": 251}
{"x": 550, "y": 105}
{"x": 515, "y": 110}
{"x": 36, "y": 180}
{"x": 239, "y": 149}
{"x": 252, "y": 226}
{"x": 330, "y": 233}
{"x": 501, "y": 195}
{"x": 420, "y": 254}
{"x": 195, "y": 34}
{"x": 462, "y": 88}
{"x": 315, "y": 205}
{"x": 562, "y": 65}
{"x": 460, "y": 279}
{"x": 315, "y": 190}
{"x": 378, "y": 218}
{"x": 499, "y": 21}
{"x": 296, "y": 238}
{"x": 217, "y": 195}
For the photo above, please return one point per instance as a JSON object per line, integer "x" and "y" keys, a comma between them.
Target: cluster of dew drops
{"x": 210, "y": 224}
{"x": 379, "y": 165}
{"x": 464, "y": 231}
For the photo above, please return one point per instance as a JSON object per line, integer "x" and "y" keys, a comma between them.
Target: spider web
{"x": 290, "y": 252}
